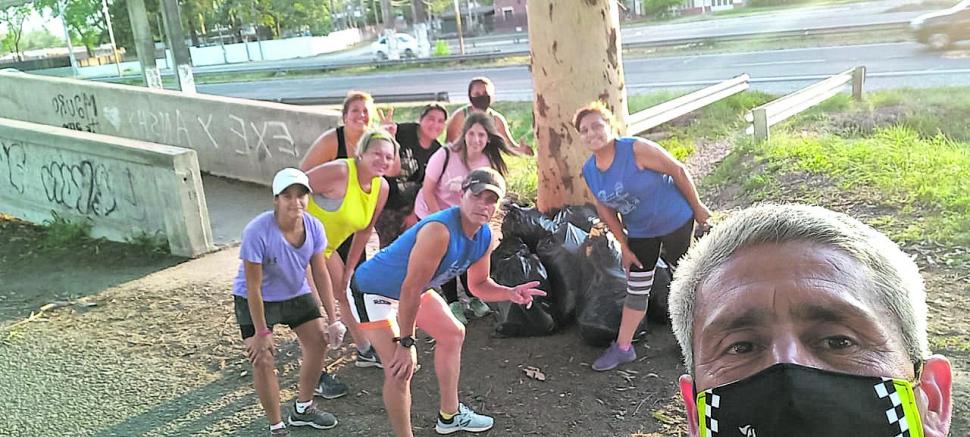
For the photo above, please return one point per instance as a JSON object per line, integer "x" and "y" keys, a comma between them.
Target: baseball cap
{"x": 289, "y": 176}
{"x": 485, "y": 179}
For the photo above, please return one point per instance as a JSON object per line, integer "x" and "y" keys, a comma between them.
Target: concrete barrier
{"x": 125, "y": 188}
{"x": 236, "y": 138}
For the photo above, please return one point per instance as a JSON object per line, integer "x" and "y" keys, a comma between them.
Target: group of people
{"x": 776, "y": 301}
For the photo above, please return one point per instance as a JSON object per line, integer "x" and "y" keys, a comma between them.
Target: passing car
{"x": 407, "y": 46}
{"x": 940, "y": 29}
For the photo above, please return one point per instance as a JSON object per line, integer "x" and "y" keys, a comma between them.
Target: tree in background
{"x": 14, "y": 18}
{"x": 85, "y": 20}
{"x": 576, "y": 59}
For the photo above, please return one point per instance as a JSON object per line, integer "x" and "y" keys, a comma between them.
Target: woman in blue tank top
{"x": 390, "y": 296}
{"x": 636, "y": 180}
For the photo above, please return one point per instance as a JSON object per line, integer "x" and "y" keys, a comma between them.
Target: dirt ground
{"x": 126, "y": 355}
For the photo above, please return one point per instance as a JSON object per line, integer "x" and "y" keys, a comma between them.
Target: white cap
{"x": 289, "y": 176}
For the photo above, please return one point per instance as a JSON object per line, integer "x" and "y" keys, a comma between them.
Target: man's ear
{"x": 934, "y": 396}
{"x": 690, "y": 402}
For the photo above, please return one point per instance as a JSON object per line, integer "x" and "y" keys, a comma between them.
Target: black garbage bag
{"x": 514, "y": 268}
{"x": 527, "y": 224}
{"x": 567, "y": 267}
{"x": 582, "y": 216}
{"x": 601, "y": 306}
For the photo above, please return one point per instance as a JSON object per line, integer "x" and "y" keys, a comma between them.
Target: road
{"x": 863, "y": 13}
{"x": 890, "y": 65}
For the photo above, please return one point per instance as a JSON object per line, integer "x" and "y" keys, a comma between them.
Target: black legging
{"x": 344, "y": 251}
{"x": 450, "y": 289}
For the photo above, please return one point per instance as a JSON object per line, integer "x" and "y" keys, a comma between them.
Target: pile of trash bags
{"x": 578, "y": 264}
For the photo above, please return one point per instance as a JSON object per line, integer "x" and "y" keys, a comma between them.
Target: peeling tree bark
{"x": 576, "y": 59}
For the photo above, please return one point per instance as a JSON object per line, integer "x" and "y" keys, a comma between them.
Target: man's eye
{"x": 741, "y": 347}
{"x": 837, "y": 342}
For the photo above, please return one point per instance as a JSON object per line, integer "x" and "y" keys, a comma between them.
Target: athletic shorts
{"x": 293, "y": 312}
{"x": 372, "y": 311}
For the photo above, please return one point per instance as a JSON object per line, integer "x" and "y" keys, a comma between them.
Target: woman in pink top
{"x": 480, "y": 145}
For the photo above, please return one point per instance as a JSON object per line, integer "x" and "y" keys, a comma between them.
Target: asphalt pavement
{"x": 890, "y": 65}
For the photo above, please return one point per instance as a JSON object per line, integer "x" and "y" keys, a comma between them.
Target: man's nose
{"x": 788, "y": 348}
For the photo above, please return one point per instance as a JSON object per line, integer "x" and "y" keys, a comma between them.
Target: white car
{"x": 407, "y": 46}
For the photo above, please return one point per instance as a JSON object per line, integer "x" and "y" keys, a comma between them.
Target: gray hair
{"x": 893, "y": 278}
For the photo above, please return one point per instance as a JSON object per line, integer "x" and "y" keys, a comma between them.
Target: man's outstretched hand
{"x": 522, "y": 294}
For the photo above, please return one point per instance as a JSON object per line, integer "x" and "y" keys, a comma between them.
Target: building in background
{"x": 510, "y": 16}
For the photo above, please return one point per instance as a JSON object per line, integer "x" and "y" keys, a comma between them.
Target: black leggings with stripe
{"x": 671, "y": 247}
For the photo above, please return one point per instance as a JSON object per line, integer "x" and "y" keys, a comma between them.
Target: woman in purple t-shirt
{"x": 480, "y": 145}
{"x": 271, "y": 287}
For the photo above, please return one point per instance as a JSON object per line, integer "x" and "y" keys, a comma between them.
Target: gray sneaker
{"x": 330, "y": 387}
{"x": 312, "y": 417}
{"x": 368, "y": 358}
{"x": 282, "y": 432}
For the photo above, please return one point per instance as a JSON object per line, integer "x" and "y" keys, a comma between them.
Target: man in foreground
{"x": 799, "y": 321}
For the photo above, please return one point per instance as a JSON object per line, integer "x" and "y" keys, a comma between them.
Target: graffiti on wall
{"x": 77, "y": 111}
{"x": 248, "y": 137}
{"x": 86, "y": 186}
{"x": 14, "y": 164}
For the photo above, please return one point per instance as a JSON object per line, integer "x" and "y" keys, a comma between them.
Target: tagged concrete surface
{"x": 236, "y": 138}
{"x": 124, "y": 188}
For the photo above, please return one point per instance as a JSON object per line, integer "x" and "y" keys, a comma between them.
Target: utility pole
{"x": 176, "y": 42}
{"x": 144, "y": 44}
{"x": 111, "y": 35}
{"x": 67, "y": 37}
{"x": 461, "y": 39}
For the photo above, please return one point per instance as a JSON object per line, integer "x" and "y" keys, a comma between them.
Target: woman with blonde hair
{"x": 348, "y": 196}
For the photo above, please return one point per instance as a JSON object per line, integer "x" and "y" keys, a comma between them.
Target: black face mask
{"x": 480, "y": 102}
{"x": 788, "y": 400}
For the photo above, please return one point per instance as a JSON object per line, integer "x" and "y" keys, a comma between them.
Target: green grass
{"x": 905, "y": 153}
{"x": 62, "y": 233}
{"x": 916, "y": 174}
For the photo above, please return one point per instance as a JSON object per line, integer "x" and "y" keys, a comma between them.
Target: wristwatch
{"x": 406, "y": 341}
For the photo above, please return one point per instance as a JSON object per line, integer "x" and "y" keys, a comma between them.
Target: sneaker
{"x": 479, "y": 309}
{"x": 614, "y": 357}
{"x": 329, "y": 387}
{"x": 368, "y": 358}
{"x": 458, "y": 310}
{"x": 282, "y": 432}
{"x": 465, "y": 420}
{"x": 312, "y": 417}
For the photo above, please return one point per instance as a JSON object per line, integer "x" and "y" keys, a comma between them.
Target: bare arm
{"x": 612, "y": 220}
{"x": 650, "y": 155}
{"x": 324, "y": 149}
{"x": 430, "y": 246}
{"x": 254, "y": 294}
{"x": 455, "y": 125}
{"x": 329, "y": 179}
{"x": 359, "y": 242}
{"x": 519, "y": 147}
{"x": 482, "y": 286}
{"x": 321, "y": 279}
{"x": 430, "y": 184}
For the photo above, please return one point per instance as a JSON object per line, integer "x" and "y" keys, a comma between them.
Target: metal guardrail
{"x": 776, "y": 111}
{"x": 440, "y": 96}
{"x": 671, "y": 109}
{"x": 489, "y": 56}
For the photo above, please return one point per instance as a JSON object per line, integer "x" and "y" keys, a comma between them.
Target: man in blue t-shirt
{"x": 271, "y": 288}
{"x": 390, "y": 295}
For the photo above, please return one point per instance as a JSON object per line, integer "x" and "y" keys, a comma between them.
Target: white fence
{"x": 669, "y": 110}
{"x": 776, "y": 111}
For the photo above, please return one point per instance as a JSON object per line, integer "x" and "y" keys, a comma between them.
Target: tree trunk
{"x": 576, "y": 59}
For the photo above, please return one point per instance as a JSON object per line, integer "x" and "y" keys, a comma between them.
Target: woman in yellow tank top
{"x": 348, "y": 196}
